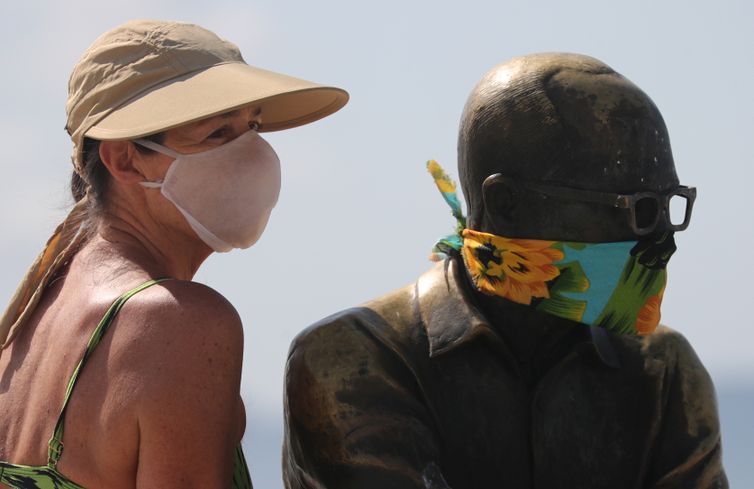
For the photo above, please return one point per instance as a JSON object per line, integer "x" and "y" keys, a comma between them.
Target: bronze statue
{"x": 469, "y": 379}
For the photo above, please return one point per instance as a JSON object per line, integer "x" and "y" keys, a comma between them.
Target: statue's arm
{"x": 688, "y": 451}
{"x": 354, "y": 415}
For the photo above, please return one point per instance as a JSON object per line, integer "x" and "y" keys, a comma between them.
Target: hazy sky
{"x": 358, "y": 213}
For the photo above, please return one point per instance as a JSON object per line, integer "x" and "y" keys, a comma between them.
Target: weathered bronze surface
{"x": 439, "y": 386}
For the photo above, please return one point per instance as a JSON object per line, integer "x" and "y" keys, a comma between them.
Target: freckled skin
{"x": 166, "y": 374}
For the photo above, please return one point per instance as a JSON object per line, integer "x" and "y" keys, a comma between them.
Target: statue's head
{"x": 539, "y": 129}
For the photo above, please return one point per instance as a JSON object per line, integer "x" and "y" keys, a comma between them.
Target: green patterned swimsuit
{"x": 47, "y": 477}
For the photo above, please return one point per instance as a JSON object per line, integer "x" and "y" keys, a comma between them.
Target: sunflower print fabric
{"x": 617, "y": 286}
{"x": 517, "y": 269}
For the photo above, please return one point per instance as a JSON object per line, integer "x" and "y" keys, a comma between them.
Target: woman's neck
{"x": 155, "y": 250}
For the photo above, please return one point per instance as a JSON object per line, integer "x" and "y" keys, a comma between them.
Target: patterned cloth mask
{"x": 617, "y": 286}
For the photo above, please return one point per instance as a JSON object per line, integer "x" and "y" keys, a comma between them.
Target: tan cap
{"x": 148, "y": 76}
{"x": 145, "y": 77}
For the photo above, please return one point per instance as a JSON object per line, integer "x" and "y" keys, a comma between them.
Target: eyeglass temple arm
{"x": 615, "y": 200}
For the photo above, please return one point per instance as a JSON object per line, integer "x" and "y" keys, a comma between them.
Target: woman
{"x": 168, "y": 168}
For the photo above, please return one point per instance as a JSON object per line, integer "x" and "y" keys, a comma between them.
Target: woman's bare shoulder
{"x": 176, "y": 325}
{"x": 183, "y": 307}
{"x": 186, "y": 355}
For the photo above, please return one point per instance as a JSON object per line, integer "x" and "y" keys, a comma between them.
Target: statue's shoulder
{"x": 665, "y": 346}
{"x": 664, "y": 338}
{"x": 670, "y": 344}
{"x": 391, "y": 320}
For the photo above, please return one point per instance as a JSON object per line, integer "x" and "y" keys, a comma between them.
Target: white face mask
{"x": 226, "y": 193}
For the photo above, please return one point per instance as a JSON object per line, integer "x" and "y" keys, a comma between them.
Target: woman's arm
{"x": 188, "y": 413}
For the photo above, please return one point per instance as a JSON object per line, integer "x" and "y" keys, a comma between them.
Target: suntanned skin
{"x": 158, "y": 405}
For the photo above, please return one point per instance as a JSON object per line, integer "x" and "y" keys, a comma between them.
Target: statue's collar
{"x": 451, "y": 318}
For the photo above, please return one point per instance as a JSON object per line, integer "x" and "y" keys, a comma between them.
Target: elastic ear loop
{"x": 217, "y": 242}
{"x": 157, "y": 147}
{"x": 160, "y": 149}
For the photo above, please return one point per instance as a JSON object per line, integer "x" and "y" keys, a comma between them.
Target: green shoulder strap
{"x": 55, "y": 445}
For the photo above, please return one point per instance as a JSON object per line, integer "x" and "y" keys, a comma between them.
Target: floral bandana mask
{"x": 617, "y": 286}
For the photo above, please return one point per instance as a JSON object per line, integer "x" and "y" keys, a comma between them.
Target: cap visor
{"x": 285, "y": 101}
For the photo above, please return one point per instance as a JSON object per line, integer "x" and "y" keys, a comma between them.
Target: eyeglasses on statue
{"x": 647, "y": 209}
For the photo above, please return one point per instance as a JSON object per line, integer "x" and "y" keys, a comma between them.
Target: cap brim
{"x": 285, "y": 101}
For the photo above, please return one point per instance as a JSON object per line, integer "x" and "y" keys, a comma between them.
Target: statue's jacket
{"x": 417, "y": 390}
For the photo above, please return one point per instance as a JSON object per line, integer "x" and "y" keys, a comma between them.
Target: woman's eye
{"x": 218, "y": 133}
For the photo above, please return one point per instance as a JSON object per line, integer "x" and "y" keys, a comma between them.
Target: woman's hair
{"x": 98, "y": 176}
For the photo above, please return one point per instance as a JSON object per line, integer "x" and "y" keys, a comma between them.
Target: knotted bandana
{"x": 60, "y": 248}
{"x": 617, "y": 286}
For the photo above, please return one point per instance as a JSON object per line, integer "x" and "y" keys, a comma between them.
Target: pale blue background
{"x": 358, "y": 213}
{"x": 601, "y": 267}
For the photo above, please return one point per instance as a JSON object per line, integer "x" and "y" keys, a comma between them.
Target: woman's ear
{"x": 500, "y": 198}
{"x": 118, "y": 158}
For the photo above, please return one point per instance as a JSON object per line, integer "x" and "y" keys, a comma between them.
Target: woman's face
{"x": 205, "y": 134}
{"x": 194, "y": 137}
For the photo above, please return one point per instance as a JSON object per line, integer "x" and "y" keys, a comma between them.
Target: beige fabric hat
{"x": 148, "y": 76}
